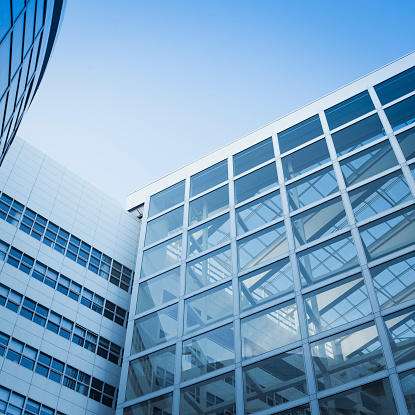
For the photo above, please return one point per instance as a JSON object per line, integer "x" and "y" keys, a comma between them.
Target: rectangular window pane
{"x": 408, "y": 386}
{"x": 208, "y": 352}
{"x": 208, "y": 269}
{"x": 270, "y": 329}
{"x": 300, "y": 133}
{"x": 162, "y": 405}
{"x": 164, "y": 226}
{"x": 256, "y": 183}
{"x": 305, "y": 159}
{"x": 347, "y": 356}
{"x": 337, "y": 304}
{"x": 396, "y": 87}
{"x": 262, "y": 246}
{"x": 407, "y": 142}
{"x": 166, "y": 199}
{"x": 253, "y": 156}
{"x": 349, "y": 110}
{"x": 209, "y": 178}
{"x": 402, "y": 113}
{"x": 208, "y": 205}
{"x": 258, "y": 213}
{"x": 359, "y": 134}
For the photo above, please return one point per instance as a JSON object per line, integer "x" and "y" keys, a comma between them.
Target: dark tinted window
{"x": 396, "y": 87}
{"x": 253, "y": 156}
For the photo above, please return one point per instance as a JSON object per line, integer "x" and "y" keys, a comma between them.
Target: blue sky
{"x": 137, "y": 89}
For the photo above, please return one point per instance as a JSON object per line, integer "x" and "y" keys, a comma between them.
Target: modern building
{"x": 67, "y": 255}
{"x": 277, "y": 274}
{"x": 28, "y": 30}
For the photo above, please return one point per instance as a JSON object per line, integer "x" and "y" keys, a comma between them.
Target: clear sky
{"x": 137, "y": 89}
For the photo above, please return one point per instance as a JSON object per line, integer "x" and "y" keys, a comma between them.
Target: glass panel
{"x": 5, "y": 21}
{"x": 151, "y": 373}
{"x": 305, "y": 159}
{"x": 407, "y": 142}
{"x": 208, "y": 205}
{"x": 274, "y": 381}
{"x": 349, "y": 110}
{"x": 209, "y": 178}
{"x": 216, "y": 395}
{"x": 256, "y": 183}
{"x": 208, "y": 235}
{"x": 162, "y": 405}
{"x": 372, "y": 398}
{"x": 164, "y": 226}
{"x": 11, "y": 100}
{"x": 368, "y": 162}
{"x": 154, "y": 329}
{"x": 208, "y": 352}
{"x": 312, "y": 188}
{"x": 298, "y": 410}
{"x": 208, "y": 308}
{"x": 402, "y": 113}
{"x": 166, "y": 198}
{"x": 326, "y": 260}
{"x": 30, "y": 22}
{"x": 161, "y": 256}
{"x": 208, "y": 269}
{"x": 396, "y": 87}
{"x": 17, "y": 45}
{"x": 408, "y": 387}
{"x": 253, "y": 156}
{"x": 299, "y": 134}
{"x": 337, "y": 304}
{"x": 359, "y": 134}
{"x": 389, "y": 234}
{"x": 158, "y": 290}
{"x": 258, "y": 213}
{"x": 395, "y": 281}
{"x": 262, "y": 246}
{"x": 380, "y": 195}
{"x": 319, "y": 221}
{"x": 266, "y": 284}
{"x": 4, "y": 67}
{"x": 347, "y": 356}
{"x": 270, "y": 329}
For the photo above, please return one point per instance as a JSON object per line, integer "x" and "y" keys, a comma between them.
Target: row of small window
{"x": 56, "y": 370}
{"x": 62, "y": 284}
{"x": 15, "y": 404}
{"x": 58, "y": 324}
{"x": 63, "y": 242}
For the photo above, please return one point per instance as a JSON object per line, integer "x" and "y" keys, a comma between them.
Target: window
{"x": 209, "y": 178}
{"x": 253, "y": 156}
{"x": 164, "y": 226}
{"x": 402, "y": 113}
{"x": 166, "y": 199}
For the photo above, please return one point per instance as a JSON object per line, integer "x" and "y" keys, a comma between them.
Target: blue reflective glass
{"x": 396, "y": 87}
{"x": 408, "y": 386}
{"x": 349, "y": 110}
{"x": 39, "y": 15}
{"x": 166, "y": 199}
{"x": 4, "y": 67}
{"x": 11, "y": 99}
{"x": 402, "y": 113}
{"x": 17, "y": 7}
{"x": 30, "y": 20}
{"x": 165, "y": 225}
{"x": 407, "y": 142}
{"x": 162, "y": 405}
{"x": 209, "y": 178}
{"x": 5, "y": 19}
{"x": 17, "y": 45}
{"x": 300, "y": 133}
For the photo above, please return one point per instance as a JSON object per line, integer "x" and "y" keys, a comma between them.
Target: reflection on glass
{"x": 395, "y": 281}
{"x": 256, "y": 182}
{"x": 209, "y": 178}
{"x": 164, "y": 226}
{"x": 150, "y": 373}
{"x": 208, "y": 205}
{"x": 312, "y": 188}
{"x": 253, "y": 156}
{"x": 262, "y": 246}
{"x": 372, "y": 398}
{"x": 154, "y": 329}
{"x": 17, "y": 45}
{"x": 359, "y": 134}
{"x": 298, "y": 410}
{"x": 208, "y": 352}
{"x": 347, "y": 356}
{"x": 161, "y": 256}
{"x": 389, "y": 234}
{"x": 162, "y": 405}
{"x": 274, "y": 381}
{"x": 327, "y": 259}
{"x": 4, "y": 58}
{"x": 166, "y": 199}
{"x": 408, "y": 386}
{"x": 208, "y": 269}
{"x": 266, "y": 284}
{"x": 402, "y": 113}
{"x": 213, "y": 396}
{"x": 396, "y": 87}
{"x": 158, "y": 290}
{"x": 270, "y": 329}
{"x": 368, "y": 162}
{"x": 337, "y": 304}
{"x": 305, "y": 159}
{"x": 379, "y": 195}
{"x": 407, "y": 142}
{"x": 300, "y": 133}
{"x": 258, "y": 213}
{"x": 319, "y": 221}
{"x": 208, "y": 235}
{"x": 208, "y": 308}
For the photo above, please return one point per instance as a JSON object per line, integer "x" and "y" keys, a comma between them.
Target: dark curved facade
{"x": 28, "y": 30}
